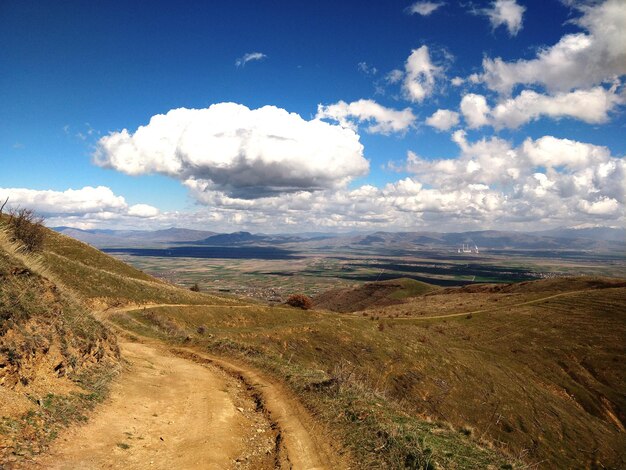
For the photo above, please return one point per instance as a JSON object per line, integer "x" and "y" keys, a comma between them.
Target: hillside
{"x": 55, "y": 358}
{"x": 104, "y": 281}
{"x": 487, "y": 376}
{"x": 532, "y": 371}
{"x": 371, "y": 294}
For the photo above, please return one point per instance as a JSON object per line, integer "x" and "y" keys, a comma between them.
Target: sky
{"x": 328, "y": 116}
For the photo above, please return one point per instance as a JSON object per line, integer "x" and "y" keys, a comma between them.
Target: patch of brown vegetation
{"x": 369, "y": 295}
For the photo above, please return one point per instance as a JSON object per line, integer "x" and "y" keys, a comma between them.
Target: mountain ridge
{"x": 595, "y": 239}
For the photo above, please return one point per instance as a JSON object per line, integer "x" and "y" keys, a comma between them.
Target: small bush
{"x": 27, "y": 228}
{"x": 195, "y": 288}
{"x": 300, "y": 301}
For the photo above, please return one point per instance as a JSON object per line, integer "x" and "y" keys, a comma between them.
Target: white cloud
{"x": 475, "y": 110}
{"x": 367, "y": 69}
{"x": 457, "y": 81}
{"x": 143, "y": 210}
{"x": 591, "y": 106}
{"x": 382, "y": 120}
{"x": 249, "y": 57}
{"x": 505, "y": 13}
{"x": 241, "y": 152}
{"x": 489, "y": 184}
{"x": 420, "y": 75}
{"x": 424, "y": 8}
{"x": 99, "y": 201}
{"x": 604, "y": 206}
{"x": 547, "y": 179}
{"x": 443, "y": 119}
{"x": 395, "y": 76}
{"x": 578, "y": 60}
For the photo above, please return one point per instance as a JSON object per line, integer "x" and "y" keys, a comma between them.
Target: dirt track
{"x": 168, "y": 412}
{"x": 179, "y": 409}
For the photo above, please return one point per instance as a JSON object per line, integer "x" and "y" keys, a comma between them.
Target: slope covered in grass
{"x": 55, "y": 358}
{"x": 536, "y": 374}
{"x": 104, "y": 281}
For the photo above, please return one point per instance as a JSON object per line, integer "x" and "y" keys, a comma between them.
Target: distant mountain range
{"x": 108, "y": 238}
{"x": 594, "y": 233}
{"x": 592, "y": 239}
{"x": 493, "y": 239}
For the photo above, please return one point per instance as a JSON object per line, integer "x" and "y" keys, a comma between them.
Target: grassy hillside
{"x": 104, "y": 281}
{"x": 372, "y": 294}
{"x": 55, "y": 358}
{"x": 535, "y": 374}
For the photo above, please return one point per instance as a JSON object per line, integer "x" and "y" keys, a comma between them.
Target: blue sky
{"x": 530, "y": 130}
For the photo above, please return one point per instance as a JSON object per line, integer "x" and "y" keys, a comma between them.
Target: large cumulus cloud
{"x": 242, "y": 152}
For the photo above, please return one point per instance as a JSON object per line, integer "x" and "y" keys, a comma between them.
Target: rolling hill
{"x": 371, "y": 294}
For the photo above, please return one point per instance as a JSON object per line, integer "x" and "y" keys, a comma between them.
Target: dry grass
{"x": 540, "y": 381}
{"x": 372, "y": 295}
{"x": 533, "y": 375}
{"x": 105, "y": 281}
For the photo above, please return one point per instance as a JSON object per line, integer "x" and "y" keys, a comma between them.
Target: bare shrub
{"x": 195, "y": 288}
{"x": 300, "y": 301}
{"x": 26, "y": 227}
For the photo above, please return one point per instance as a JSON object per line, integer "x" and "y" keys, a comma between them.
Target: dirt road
{"x": 176, "y": 408}
{"x": 167, "y": 412}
